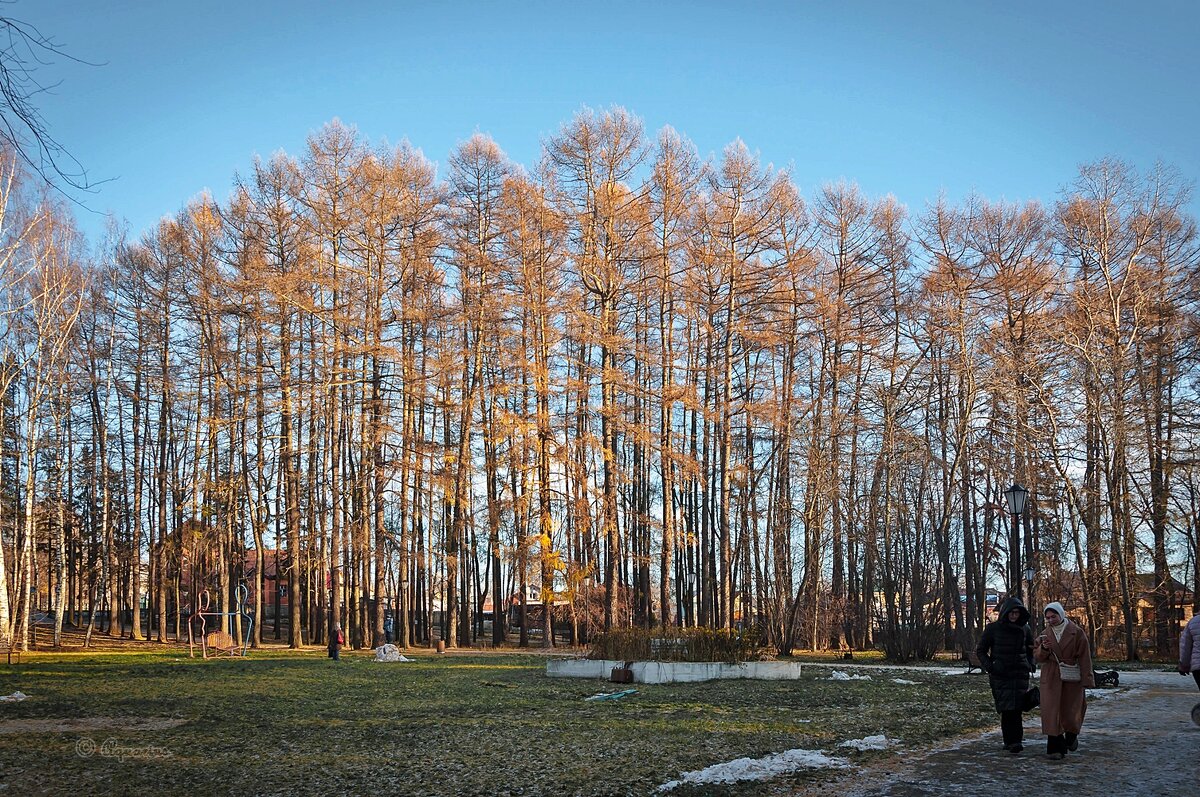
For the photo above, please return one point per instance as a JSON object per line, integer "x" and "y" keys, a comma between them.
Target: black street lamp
{"x": 1029, "y": 574}
{"x": 1016, "y": 496}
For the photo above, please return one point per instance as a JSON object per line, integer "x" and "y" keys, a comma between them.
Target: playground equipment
{"x": 220, "y": 640}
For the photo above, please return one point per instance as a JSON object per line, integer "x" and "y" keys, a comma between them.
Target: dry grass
{"x": 287, "y": 723}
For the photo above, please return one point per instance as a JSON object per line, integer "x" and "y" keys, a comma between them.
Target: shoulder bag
{"x": 1069, "y": 673}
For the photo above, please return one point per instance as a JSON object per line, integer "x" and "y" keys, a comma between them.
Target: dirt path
{"x": 1139, "y": 742}
{"x": 85, "y": 724}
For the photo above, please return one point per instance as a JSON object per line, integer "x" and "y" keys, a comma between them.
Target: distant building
{"x": 1067, "y": 588}
{"x": 274, "y": 592}
{"x": 1179, "y": 606}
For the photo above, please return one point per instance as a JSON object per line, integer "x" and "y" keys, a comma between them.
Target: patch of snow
{"x": 757, "y": 768}
{"x": 838, "y": 675}
{"x": 14, "y": 697}
{"x": 880, "y": 742}
{"x": 903, "y": 681}
{"x": 389, "y": 652}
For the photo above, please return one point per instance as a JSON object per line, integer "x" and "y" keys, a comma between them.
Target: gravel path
{"x": 1137, "y": 742}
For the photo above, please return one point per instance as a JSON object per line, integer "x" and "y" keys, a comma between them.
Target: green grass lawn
{"x": 297, "y": 723}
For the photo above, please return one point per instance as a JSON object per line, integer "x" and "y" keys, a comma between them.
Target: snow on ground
{"x": 743, "y": 769}
{"x": 757, "y": 768}
{"x": 838, "y": 675}
{"x": 880, "y": 742}
{"x": 771, "y": 766}
{"x": 1104, "y": 694}
{"x": 389, "y": 652}
{"x": 1135, "y": 741}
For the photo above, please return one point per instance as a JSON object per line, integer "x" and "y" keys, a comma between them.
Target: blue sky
{"x": 907, "y": 98}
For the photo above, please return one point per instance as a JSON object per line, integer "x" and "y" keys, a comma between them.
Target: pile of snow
{"x": 757, "y": 768}
{"x": 838, "y": 675}
{"x": 903, "y": 681}
{"x": 879, "y": 742}
{"x": 389, "y": 652}
{"x": 13, "y": 698}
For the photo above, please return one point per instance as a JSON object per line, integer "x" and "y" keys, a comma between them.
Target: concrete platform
{"x": 666, "y": 672}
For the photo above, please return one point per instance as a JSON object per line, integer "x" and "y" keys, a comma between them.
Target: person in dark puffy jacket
{"x": 1006, "y": 652}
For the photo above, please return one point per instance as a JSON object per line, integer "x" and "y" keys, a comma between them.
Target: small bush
{"x": 679, "y": 644}
{"x": 902, "y": 642}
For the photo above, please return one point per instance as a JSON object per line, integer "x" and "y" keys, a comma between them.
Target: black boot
{"x": 1056, "y": 747}
{"x": 1072, "y": 741}
{"x": 1010, "y": 726}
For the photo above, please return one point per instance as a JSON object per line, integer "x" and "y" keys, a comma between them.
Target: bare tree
{"x": 23, "y": 49}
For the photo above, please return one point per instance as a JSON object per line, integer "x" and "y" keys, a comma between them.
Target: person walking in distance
{"x": 1006, "y": 653}
{"x": 1065, "y": 654}
{"x": 1189, "y": 649}
{"x": 336, "y": 640}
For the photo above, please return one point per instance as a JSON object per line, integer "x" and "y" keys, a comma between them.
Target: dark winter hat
{"x": 1011, "y": 603}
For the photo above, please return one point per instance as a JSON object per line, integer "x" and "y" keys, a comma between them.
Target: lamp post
{"x": 1029, "y": 574}
{"x": 1016, "y": 497}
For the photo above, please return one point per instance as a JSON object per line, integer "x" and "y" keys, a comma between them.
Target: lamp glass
{"x": 1016, "y": 496}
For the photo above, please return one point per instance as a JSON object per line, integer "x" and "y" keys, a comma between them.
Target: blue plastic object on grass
{"x": 612, "y": 695}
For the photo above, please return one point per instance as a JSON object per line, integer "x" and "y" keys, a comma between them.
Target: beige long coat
{"x": 1064, "y": 704}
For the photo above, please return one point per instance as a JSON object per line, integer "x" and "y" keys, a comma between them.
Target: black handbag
{"x": 1031, "y": 699}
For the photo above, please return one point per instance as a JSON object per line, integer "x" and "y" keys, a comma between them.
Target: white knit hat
{"x": 1056, "y": 607}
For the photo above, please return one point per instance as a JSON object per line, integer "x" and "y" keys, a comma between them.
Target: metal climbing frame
{"x": 220, "y": 641}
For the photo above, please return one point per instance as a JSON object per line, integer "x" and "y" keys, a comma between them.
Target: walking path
{"x": 1138, "y": 742}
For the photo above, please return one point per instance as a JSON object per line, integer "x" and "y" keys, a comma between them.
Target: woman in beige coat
{"x": 1063, "y": 702}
